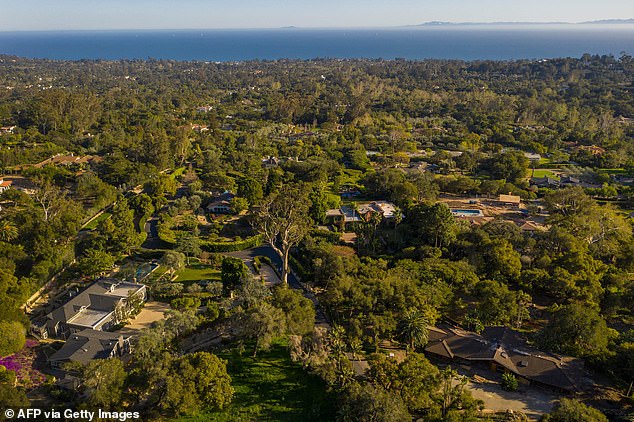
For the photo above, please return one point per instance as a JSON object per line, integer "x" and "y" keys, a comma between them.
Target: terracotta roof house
{"x": 5, "y": 184}
{"x": 88, "y": 345}
{"x": 532, "y": 226}
{"x": 504, "y": 349}
{"x": 99, "y": 307}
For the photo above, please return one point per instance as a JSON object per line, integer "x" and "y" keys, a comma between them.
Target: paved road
{"x": 152, "y": 241}
{"x": 248, "y": 255}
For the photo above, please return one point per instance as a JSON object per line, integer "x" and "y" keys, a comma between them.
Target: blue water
{"x": 466, "y": 213}
{"x": 459, "y": 42}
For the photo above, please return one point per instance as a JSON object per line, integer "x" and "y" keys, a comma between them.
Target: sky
{"x": 186, "y": 14}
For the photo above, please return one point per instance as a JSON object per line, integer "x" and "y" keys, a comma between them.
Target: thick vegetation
{"x": 162, "y": 141}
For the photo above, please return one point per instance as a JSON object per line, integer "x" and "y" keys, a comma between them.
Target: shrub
{"x": 509, "y": 382}
{"x": 13, "y": 337}
{"x": 183, "y": 303}
{"x": 232, "y": 246}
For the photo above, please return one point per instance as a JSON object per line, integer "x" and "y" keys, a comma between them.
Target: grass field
{"x": 196, "y": 272}
{"x": 178, "y": 172}
{"x": 94, "y": 223}
{"x": 613, "y": 171}
{"x": 271, "y": 388}
{"x": 545, "y": 173}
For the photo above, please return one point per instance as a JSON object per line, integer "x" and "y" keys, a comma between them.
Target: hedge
{"x": 303, "y": 274}
{"x": 332, "y": 237}
{"x": 239, "y": 245}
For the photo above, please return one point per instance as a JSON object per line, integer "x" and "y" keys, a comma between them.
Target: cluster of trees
{"x": 353, "y": 129}
{"x": 488, "y": 275}
{"x": 158, "y": 381}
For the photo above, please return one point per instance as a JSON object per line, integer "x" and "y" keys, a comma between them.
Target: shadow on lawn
{"x": 271, "y": 387}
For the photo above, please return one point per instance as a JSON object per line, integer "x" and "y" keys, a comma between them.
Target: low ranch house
{"x": 502, "y": 349}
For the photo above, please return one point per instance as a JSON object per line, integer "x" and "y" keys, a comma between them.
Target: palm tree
{"x": 8, "y": 231}
{"x": 413, "y": 328}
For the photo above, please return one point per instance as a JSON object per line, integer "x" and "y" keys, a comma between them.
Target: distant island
{"x": 611, "y": 22}
{"x": 597, "y": 22}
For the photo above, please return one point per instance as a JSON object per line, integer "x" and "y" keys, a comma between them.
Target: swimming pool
{"x": 466, "y": 213}
{"x": 145, "y": 269}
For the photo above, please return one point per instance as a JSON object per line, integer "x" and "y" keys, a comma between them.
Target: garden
{"x": 22, "y": 364}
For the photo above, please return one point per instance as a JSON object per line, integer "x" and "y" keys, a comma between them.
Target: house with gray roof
{"x": 87, "y": 345}
{"x": 545, "y": 182}
{"x": 505, "y": 350}
{"x": 100, "y": 306}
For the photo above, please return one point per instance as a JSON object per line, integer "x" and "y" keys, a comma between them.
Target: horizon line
{"x": 429, "y": 24}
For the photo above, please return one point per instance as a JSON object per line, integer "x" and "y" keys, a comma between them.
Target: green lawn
{"x": 271, "y": 388}
{"x": 94, "y": 223}
{"x": 545, "y": 173}
{"x": 196, "y": 272}
{"x": 613, "y": 171}
{"x": 178, "y": 172}
{"x": 157, "y": 274}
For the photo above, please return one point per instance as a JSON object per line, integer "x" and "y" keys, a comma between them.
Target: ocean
{"x": 477, "y": 42}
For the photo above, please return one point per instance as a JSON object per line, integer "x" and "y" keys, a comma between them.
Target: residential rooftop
{"x": 86, "y": 346}
{"x": 506, "y": 348}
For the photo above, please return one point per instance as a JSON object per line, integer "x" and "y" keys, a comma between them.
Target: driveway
{"x": 248, "y": 255}
{"x": 151, "y": 312}
{"x": 531, "y": 401}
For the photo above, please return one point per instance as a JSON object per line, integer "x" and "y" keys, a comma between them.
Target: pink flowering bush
{"x": 22, "y": 364}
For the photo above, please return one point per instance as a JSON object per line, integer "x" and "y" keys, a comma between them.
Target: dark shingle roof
{"x": 87, "y": 345}
{"x": 471, "y": 347}
{"x": 507, "y": 348}
{"x": 96, "y": 296}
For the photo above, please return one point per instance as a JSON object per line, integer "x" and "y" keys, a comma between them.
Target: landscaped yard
{"x": 545, "y": 173}
{"x": 272, "y": 388}
{"x": 94, "y": 223}
{"x": 196, "y": 272}
{"x": 22, "y": 364}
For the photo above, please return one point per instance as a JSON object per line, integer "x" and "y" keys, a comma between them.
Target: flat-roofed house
{"x": 100, "y": 306}
{"x": 532, "y": 156}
